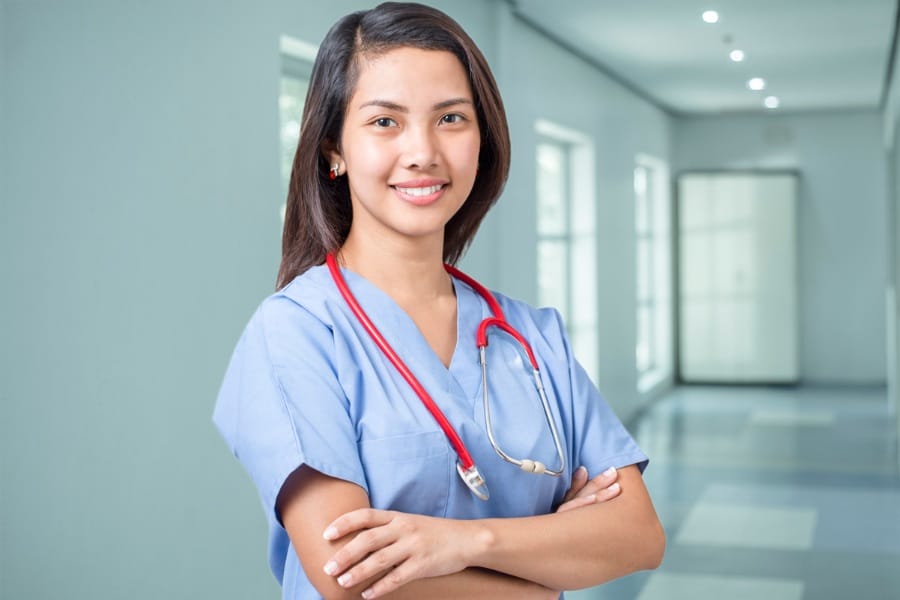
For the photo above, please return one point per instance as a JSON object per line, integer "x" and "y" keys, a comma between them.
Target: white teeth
{"x": 421, "y": 191}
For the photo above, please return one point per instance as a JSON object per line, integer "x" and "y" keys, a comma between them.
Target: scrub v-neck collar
{"x": 464, "y": 373}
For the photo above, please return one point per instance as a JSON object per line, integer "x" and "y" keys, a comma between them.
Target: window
{"x": 653, "y": 348}
{"x": 554, "y": 235}
{"x": 296, "y": 67}
{"x": 566, "y": 251}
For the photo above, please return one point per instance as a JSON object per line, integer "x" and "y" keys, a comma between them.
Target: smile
{"x": 420, "y": 191}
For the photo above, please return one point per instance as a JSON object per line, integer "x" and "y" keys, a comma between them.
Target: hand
{"x": 601, "y": 488}
{"x": 402, "y": 547}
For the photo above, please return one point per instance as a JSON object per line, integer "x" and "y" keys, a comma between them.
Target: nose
{"x": 420, "y": 149}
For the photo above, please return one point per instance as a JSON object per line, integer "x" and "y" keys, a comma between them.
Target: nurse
{"x": 404, "y": 148}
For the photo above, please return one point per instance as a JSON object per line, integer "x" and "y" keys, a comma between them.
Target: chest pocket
{"x": 409, "y": 473}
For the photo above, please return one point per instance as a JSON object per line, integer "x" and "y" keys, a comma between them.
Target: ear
{"x": 332, "y": 152}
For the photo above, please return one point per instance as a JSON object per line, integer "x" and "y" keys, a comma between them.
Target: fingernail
{"x": 609, "y": 471}
{"x": 367, "y": 594}
{"x": 344, "y": 580}
{"x": 582, "y": 470}
{"x": 330, "y": 567}
{"x": 614, "y": 487}
{"x": 591, "y": 498}
{"x": 330, "y": 533}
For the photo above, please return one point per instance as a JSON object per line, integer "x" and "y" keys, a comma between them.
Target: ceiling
{"x": 813, "y": 54}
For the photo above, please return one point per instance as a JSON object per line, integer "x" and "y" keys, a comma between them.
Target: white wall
{"x": 891, "y": 137}
{"x": 891, "y": 127}
{"x": 541, "y": 80}
{"x": 841, "y": 216}
{"x": 140, "y": 228}
{"x": 894, "y": 169}
{"x": 5, "y": 269}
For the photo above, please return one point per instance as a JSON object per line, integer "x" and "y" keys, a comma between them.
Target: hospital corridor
{"x": 693, "y": 224}
{"x": 767, "y": 492}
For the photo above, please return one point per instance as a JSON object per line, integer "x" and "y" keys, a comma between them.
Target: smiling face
{"x": 409, "y": 145}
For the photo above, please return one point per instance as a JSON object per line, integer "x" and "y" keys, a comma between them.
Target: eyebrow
{"x": 400, "y": 108}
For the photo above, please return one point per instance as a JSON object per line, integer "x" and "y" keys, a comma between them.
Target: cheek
{"x": 465, "y": 155}
{"x": 367, "y": 158}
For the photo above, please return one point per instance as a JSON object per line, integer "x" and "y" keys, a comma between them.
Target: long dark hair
{"x": 318, "y": 215}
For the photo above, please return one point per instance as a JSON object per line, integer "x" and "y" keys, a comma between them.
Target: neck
{"x": 406, "y": 270}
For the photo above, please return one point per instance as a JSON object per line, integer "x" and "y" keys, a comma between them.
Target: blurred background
{"x": 710, "y": 200}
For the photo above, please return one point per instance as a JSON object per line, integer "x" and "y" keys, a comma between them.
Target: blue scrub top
{"x": 306, "y": 385}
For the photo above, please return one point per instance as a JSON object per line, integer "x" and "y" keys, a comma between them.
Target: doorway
{"x": 737, "y": 277}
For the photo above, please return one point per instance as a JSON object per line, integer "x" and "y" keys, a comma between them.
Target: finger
{"x": 356, "y": 550}
{"x": 400, "y": 576}
{"x": 375, "y": 564}
{"x": 597, "y": 488}
{"x": 576, "y": 503}
{"x": 609, "y": 493}
{"x": 606, "y": 478}
{"x": 363, "y": 518}
{"x": 600, "y": 482}
{"x": 579, "y": 479}
{"x": 603, "y": 495}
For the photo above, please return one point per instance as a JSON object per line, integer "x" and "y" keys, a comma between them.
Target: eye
{"x": 384, "y": 122}
{"x": 450, "y": 119}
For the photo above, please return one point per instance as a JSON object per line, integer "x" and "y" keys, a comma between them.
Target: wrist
{"x": 480, "y": 539}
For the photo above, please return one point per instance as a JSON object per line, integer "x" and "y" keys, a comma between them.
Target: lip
{"x": 418, "y": 198}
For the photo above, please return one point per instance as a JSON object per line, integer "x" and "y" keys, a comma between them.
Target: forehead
{"x": 407, "y": 74}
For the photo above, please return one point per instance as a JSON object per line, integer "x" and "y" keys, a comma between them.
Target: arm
{"x": 566, "y": 550}
{"x": 579, "y": 548}
{"x": 309, "y": 501}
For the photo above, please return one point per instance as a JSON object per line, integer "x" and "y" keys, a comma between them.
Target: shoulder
{"x": 295, "y": 315}
{"x": 308, "y": 292}
{"x": 518, "y": 311}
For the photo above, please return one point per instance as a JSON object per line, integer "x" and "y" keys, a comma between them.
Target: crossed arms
{"x": 605, "y": 528}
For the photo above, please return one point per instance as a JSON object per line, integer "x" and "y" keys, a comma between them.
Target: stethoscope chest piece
{"x": 473, "y": 479}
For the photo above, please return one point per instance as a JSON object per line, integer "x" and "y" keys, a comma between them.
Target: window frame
{"x": 296, "y": 62}
{"x": 657, "y": 303}
{"x": 579, "y": 239}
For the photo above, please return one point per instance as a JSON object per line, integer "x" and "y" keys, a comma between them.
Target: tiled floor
{"x": 770, "y": 493}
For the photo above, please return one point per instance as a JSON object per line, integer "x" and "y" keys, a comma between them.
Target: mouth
{"x": 420, "y": 192}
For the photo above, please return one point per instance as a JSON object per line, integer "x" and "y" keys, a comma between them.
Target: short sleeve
{"x": 281, "y": 406}
{"x": 600, "y": 439}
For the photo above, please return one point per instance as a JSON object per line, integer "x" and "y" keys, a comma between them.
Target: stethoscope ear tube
{"x": 526, "y": 464}
{"x": 481, "y": 337}
{"x": 466, "y": 468}
{"x": 464, "y": 457}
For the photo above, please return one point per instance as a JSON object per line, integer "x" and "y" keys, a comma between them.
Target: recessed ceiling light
{"x": 756, "y": 84}
{"x": 736, "y": 55}
{"x": 711, "y": 16}
{"x": 771, "y": 102}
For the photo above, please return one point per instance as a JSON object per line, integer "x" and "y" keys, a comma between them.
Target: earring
{"x": 334, "y": 172}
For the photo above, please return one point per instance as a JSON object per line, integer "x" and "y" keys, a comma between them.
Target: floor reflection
{"x": 770, "y": 493}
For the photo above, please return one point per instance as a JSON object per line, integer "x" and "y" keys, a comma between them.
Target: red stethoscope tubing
{"x": 465, "y": 458}
{"x": 498, "y": 320}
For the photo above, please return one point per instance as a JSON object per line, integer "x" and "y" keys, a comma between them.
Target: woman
{"x": 404, "y": 148}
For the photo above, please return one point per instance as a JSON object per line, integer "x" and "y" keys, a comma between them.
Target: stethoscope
{"x": 465, "y": 466}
